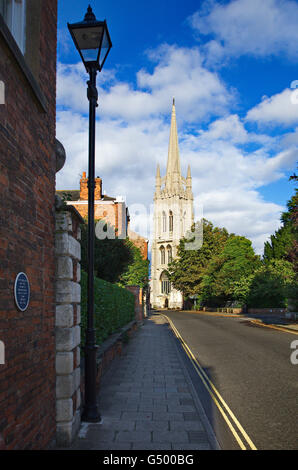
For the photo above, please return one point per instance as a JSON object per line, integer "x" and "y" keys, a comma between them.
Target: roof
{"x": 74, "y": 195}
{"x": 69, "y": 194}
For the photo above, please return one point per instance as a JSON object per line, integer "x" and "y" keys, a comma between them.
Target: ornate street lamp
{"x": 92, "y": 39}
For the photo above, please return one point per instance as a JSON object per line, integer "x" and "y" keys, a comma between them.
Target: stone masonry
{"x": 173, "y": 218}
{"x": 68, "y": 298}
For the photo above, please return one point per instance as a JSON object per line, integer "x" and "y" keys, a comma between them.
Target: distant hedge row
{"x": 113, "y": 308}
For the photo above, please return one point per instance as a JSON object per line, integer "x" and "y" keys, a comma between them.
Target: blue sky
{"x": 229, "y": 64}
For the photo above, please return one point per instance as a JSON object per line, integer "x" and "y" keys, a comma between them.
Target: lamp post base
{"x": 90, "y": 410}
{"x": 91, "y": 415}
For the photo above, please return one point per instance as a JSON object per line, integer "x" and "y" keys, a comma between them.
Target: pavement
{"x": 147, "y": 400}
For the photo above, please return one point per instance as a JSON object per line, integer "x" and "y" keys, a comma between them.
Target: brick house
{"x": 112, "y": 210}
{"x": 28, "y": 31}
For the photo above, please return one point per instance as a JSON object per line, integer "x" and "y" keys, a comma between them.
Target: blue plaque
{"x": 22, "y": 291}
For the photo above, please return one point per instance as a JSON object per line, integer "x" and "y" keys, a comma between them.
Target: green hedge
{"x": 113, "y": 308}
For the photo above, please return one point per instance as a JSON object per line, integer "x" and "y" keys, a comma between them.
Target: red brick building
{"x": 28, "y": 31}
{"x": 112, "y": 210}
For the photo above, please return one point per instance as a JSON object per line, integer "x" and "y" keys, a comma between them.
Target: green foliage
{"x": 116, "y": 260}
{"x": 136, "y": 273}
{"x": 272, "y": 285}
{"x": 113, "y": 308}
{"x": 225, "y": 270}
{"x": 187, "y": 270}
{"x": 293, "y": 216}
{"x": 280, "y": 243}
{"x": 237, "y": 260}
{"x": 242, "y": 289}
{"x": 111, "y": 256}
{"x": 283, "y": 244}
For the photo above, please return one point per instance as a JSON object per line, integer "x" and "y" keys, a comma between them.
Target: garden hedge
{"x": 113, "y": 308}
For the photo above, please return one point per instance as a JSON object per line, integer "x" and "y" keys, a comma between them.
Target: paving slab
{"x": 146, "y": 399}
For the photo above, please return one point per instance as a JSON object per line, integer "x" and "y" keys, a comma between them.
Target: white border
{"x": 15, "y": 297}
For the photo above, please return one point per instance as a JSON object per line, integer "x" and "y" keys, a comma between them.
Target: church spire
{"x": 173, "y": 175}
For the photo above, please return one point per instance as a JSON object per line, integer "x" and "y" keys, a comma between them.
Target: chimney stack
{"x": 84, "y": 188}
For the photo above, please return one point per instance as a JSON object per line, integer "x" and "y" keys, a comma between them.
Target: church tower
{"x": 173, "y": 217}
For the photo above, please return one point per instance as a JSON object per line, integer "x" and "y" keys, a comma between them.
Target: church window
{"x": 170, "y": 254}
{"x": 171, "y": 221}
{"x": 165, "y": 284}
{"x": 164, "y": 222}
{"x": 162, "y": 255}
{"x": 183, "y": 223}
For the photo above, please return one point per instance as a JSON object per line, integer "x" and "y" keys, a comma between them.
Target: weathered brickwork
{"x": 68, "y": 330}
{"x": 139, "y": 302}
{"x": 139, "y": 241}
{"x": 84, "y": 188}
{"x": 27, "y": 179}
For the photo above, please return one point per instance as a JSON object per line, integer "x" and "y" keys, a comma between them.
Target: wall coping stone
{"x": 71, "y": 209}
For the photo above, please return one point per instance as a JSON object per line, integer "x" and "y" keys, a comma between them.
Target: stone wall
{"x": 261, "y": 311}
{"x": 68, "y": 330}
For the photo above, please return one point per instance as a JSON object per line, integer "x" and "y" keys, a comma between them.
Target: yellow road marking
{"x": 240, "y": 434}
{"x": 236, "y": 315}
{"x": 214, "y": 314}
{"x": 258, "y": 322}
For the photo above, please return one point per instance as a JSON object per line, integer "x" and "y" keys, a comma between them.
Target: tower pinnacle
{"x": 173, "y": 175}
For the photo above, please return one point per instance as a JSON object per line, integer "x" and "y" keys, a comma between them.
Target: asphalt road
{"x": 250, "y": 367}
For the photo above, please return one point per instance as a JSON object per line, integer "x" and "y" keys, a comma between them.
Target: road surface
{"x": 250, "y": 368}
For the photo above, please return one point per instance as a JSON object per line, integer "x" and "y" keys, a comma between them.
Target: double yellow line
{"x": 235, "y": 427}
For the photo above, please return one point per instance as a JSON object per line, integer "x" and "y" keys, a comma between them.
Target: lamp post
{"x": 92, "y": 39}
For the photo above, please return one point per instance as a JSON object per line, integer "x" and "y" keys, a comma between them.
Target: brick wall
{"x": 140, "y": 242}
{"x": 27, "y": 180}
{"x": 139, "y": 307}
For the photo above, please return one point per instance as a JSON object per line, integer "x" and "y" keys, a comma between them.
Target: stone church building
{"x": 173, "y": 217}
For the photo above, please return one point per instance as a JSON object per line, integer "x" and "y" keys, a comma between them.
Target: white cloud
{"x": 242, "y": 212}
{"x": 231, "y": 129}
{"x": 225, "y": 178}
{"x": 179, "y": 72}
{"x": 254, "y": 27}
{"x": 279, "y": 109}
{"x": 228, "y": 162}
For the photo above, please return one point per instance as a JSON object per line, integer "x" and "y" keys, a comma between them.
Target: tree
{"x": 111, "y": 256}
{"x": 283, "y": 244}
{"x": 136, "y": 273}
{"x": 187, "y": 270}
{"x": 272, "y": 285}
{"x": 292, "y": 216}
{"x": 237, "y": 260}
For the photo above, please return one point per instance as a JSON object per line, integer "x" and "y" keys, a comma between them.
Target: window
{"x": 162, "y": 255}
{"x": 183, "y": 223}
{"x": 164, "y": 222}
{"x": 171, "y": 221}
{"x": 165, "y": 284}
{"x": 13, "y": 12}
{"x": 170, "y": 254}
